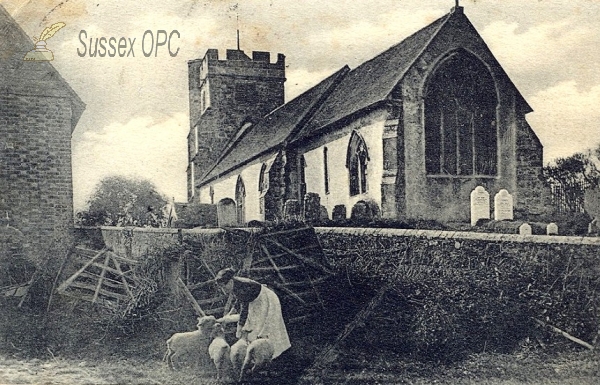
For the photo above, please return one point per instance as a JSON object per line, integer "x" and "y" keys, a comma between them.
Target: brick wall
{"x": 35, "y": 168}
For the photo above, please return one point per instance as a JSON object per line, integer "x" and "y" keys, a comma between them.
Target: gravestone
{"x": 312, "y": 207}
{"x": 323, "y": 213}
{"x": 361, "y": 212}
{"x": 292, "y": 210}
{"x": 480, "y": 204}
{"x": 552, "y": 229}
{"x": 503, "y": 206}
{"x": 226, "y": 213}
{"x": 525, "y": 229}
{"x": 591, "y": 204}
{"x": 339, "y": 213}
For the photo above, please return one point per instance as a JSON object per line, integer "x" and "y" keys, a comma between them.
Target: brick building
{"x": 38, "y": 113}
{"x": 413, "y": 130}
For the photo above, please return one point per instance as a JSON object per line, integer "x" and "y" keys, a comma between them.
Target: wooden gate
{"x": 290, "y": 261}
{"x": 104, "y": 277}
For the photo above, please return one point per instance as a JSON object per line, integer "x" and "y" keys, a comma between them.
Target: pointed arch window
{"x": 240, "y": 201}
{"x": 263, "y": 187}
{"x": 461, "y": 137}
{"x": 357, "y": 158}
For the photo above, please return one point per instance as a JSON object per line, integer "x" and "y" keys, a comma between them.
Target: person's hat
{"x": 225, "y": 275}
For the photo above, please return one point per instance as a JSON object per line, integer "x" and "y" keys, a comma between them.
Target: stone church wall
{"x": 533, "y": 194}
{"x": 225, "y": 188}
{"x": 371, "y": 130}
{"x": 446, "y": 198}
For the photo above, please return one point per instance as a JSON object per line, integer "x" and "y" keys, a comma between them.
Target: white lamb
{"x": 238, "y": 351}
{"x": 259, "y": 353}
{"x": 190, "y": 344}
{"x": 219, "y": 349}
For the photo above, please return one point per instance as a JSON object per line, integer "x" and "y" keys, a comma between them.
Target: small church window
{"x": 211, "y": 192}
{"x": 240, "y": 200}
{"x": 357, "y": 158}
{"x": 460, "y": 118}
{"x": 326, "y": 169}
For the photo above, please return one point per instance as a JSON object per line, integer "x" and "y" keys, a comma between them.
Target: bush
{"x": 449, "y": 298}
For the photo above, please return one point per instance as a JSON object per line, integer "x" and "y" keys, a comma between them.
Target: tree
{"x": 571, "y": 176}
{"x": 119, "y": 201}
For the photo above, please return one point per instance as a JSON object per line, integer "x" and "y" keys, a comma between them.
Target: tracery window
{"x": 461, "y": 136}
{"x": 357, "y": 158}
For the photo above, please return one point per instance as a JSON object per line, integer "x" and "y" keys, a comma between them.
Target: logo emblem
{"x": 40, "y": 52}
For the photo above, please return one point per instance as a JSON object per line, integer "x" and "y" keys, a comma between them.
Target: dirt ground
{"x": 491, "y": 369}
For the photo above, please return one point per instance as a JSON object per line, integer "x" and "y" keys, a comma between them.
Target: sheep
{"x": 218, "y": 350}
{"x": 190, "y": 343}
{"x": 259, "y": 352}
{"x": 238, "y": 351}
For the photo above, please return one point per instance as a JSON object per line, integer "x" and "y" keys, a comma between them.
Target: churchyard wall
{"x": 447, "y": 292}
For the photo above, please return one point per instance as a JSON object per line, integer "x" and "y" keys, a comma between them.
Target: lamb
{"x": 190, "y": 343}
{"x": 260, "y": 353}
{"x": 238, "y": 351}
{"x": 218, "y": 350}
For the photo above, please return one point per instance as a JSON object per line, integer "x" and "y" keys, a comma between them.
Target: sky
{"x": 137, "y": 112}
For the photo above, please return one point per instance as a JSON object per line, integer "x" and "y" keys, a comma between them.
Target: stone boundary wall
{"x": 460, "y": 235}
{"x": 134, "y": 242}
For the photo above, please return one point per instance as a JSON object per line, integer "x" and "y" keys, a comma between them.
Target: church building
{"x": 413, "y": 131}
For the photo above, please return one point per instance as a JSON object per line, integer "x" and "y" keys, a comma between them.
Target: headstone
{"x": 480, "y": 204}
{"x": 503, "y": 206}
{"x": 361, "y": 212}
{"x": 552, "y": 229}
{"x": 339, "y": 213}
{"x": 226, "y": 213}
{"x": 591, "y": 204}
{"x": 312, "y": 207}
{"x": 292, "y": 210}
{"x": 323, "y": 213}
{"x": 525, "y": 229}
{"x": 373, "y": 208}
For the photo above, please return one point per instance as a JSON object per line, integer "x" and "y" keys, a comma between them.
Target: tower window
{"x": 357, "y": 158}
{"x": 460, "y": 118}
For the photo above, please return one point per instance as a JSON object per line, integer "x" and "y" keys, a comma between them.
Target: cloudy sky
{"x": 136, "y": 120}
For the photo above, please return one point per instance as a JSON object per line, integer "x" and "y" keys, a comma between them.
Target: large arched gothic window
{"x": 357, "y": 158}
{"x": 240, "y": 201}
{"x": 460, "y": 118}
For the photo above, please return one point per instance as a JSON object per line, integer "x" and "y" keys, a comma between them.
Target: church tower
{"x": 225, "y": 95}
